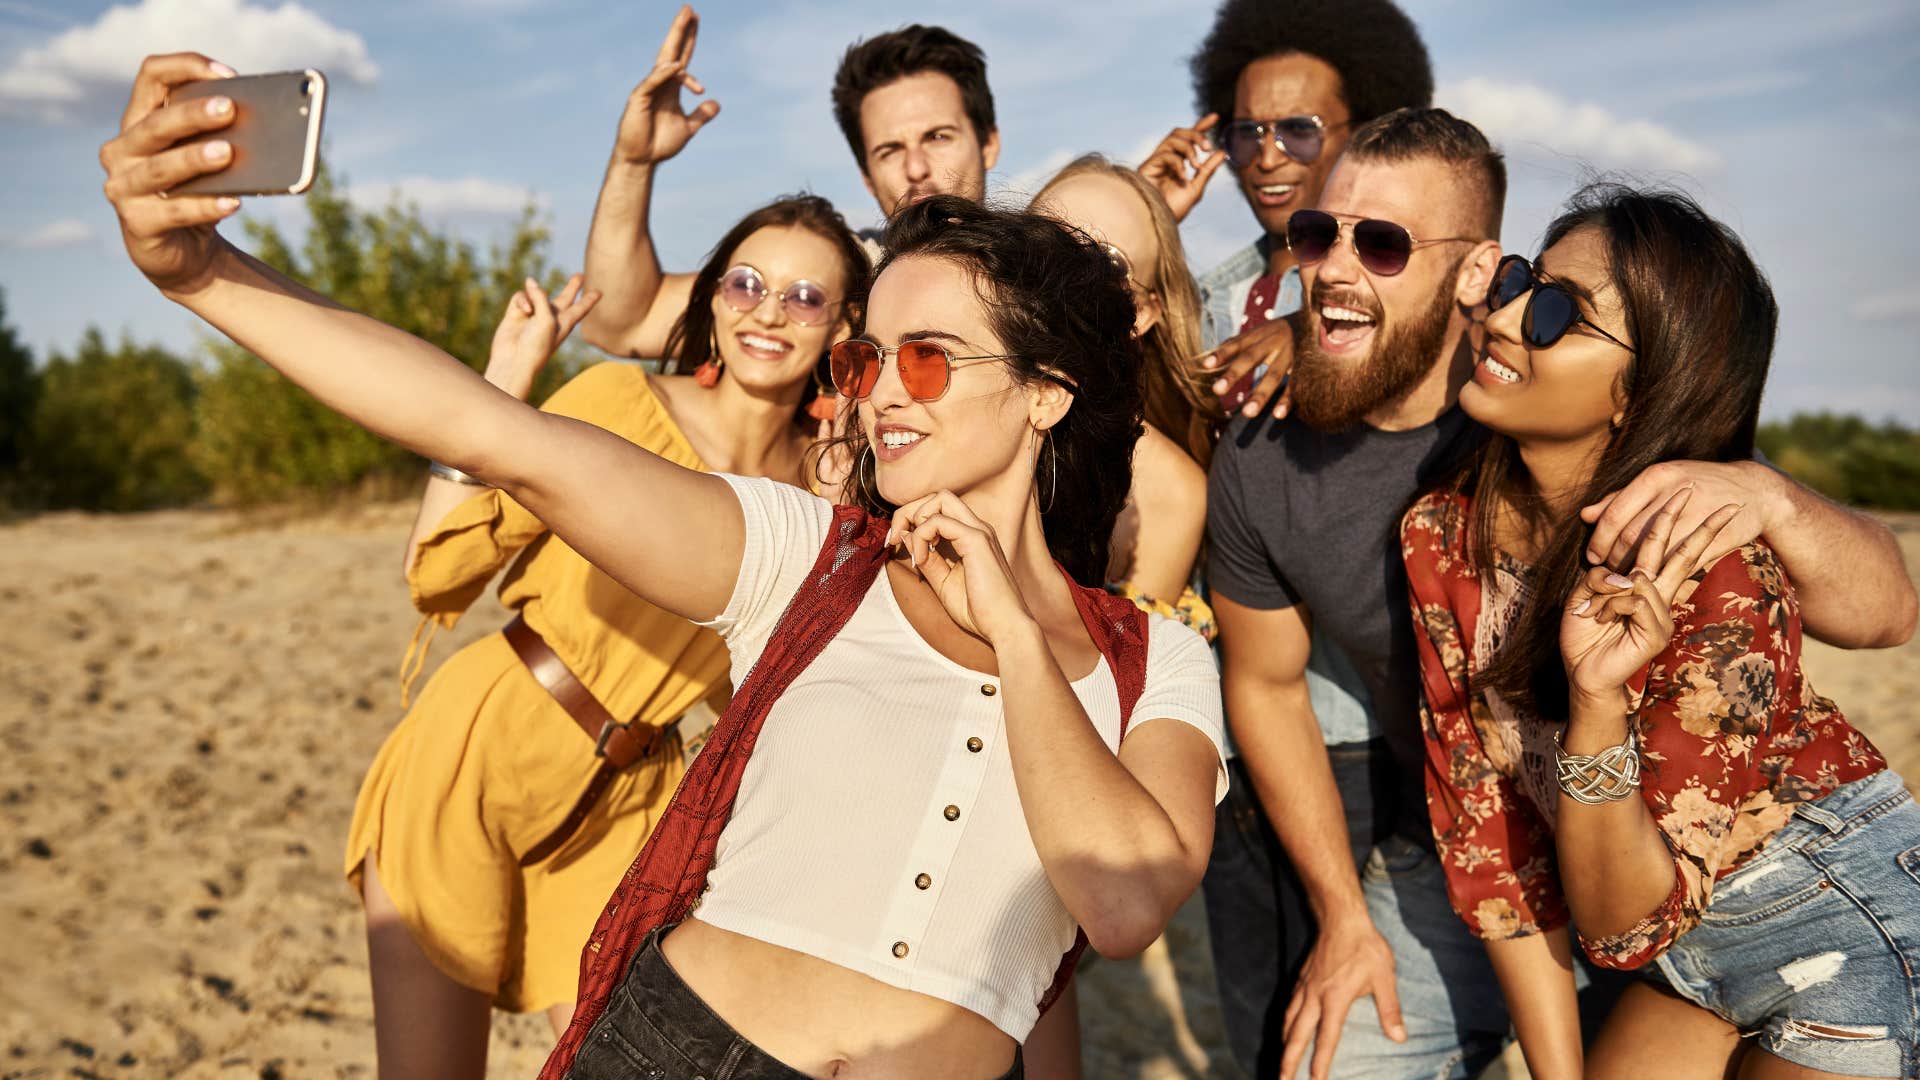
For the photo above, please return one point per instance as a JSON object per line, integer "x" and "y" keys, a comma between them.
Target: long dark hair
{"x": 1059, "y": 305}
{"x": 691, "y": 341}
{"x": 1701, "y": 317}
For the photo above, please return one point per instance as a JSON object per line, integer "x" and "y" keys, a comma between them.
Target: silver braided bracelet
{"x": 448, "y": 472}
{"x": 1608, "y": 776}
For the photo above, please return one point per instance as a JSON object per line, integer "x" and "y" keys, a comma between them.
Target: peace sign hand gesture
{"x": 959, "y": 555}
{"x": 1613, "y": 626}
{"x": 653, "y": 129}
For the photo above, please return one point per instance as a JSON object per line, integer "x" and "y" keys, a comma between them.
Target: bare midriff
{"x": 828, "y": 1021}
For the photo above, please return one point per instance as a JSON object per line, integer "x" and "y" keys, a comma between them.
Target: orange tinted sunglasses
{"x": 925, "y": 367}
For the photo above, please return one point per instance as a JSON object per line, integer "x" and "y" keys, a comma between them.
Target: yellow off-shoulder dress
{"x": 486, "y": 763}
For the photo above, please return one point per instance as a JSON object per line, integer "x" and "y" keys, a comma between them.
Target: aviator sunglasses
{"x": 1384, "y": 247}
{"x": 1550, "y": 310}
{"x": 925, "y": 367}
{"x": 1299, "y": 137}
{"x": 744, "y": 287}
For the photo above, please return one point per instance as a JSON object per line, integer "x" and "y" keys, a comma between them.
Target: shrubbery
{"x": 1848, "y": 459}
{"x": 135, "y": 427}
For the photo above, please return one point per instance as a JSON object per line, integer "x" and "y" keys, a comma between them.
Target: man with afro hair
{"x": 1281, "y": 86}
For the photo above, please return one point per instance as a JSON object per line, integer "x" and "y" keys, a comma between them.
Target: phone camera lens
{"x": 306, "y": 87}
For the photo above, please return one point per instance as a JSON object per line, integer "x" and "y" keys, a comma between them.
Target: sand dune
{"x": 187, "y": 702}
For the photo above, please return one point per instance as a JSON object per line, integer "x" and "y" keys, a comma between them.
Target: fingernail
{"x": 1593, "y": 557}
{"x": 222, "y": 70}
{"x": 1583, "y": 606}
{"x": 227, "y": 204}
{"x": 1619, "y": 582}
{"x": 219, "y": 106}
{"x": 216, "y": 150}
{"x": 1280, "y": 412}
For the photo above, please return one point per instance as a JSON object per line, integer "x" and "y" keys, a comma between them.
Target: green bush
{"x": 261, "y": 437}
{"x": 1848, "y": 459}
{"x": 111, "y": 430}
{"x": 19, "y": 388}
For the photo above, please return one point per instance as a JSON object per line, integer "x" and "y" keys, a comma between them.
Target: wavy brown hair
{"x": 1701, "y": 318}
{"x": 1178, "y": 401}
{"x": 691, "y": 341}
{"x": 1060, "y": 307}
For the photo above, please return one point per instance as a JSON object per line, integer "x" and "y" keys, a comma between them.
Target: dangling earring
{"x": 824, "y": 405}
{"x": 708, "y": 373}
{"x": 1053, "y": 472}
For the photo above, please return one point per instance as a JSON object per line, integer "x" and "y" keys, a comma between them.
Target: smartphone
{"x": 275, "y": 133}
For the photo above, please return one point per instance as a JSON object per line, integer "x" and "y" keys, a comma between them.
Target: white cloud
{"x": 97, "y": 62}
{"x": 66, "y": 232}
{"x": 470, "y": 195}
{"x": 1517, "y": 115}
{"x": 1898, "y": 305}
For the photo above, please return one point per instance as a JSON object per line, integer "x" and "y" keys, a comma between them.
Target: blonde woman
{"x": 1157, "y": 539}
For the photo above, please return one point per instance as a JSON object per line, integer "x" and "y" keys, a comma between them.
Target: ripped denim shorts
{"x": 1813, "y": 948}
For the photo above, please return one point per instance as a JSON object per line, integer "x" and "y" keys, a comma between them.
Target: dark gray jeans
{"x": 657, "y": 1028}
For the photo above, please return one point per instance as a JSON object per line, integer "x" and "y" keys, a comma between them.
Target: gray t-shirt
{"x": 1297, "y": 516}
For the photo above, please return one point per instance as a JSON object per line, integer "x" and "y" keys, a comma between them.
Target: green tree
{"x": 111, "y": 429}
{"x": 19, "y": 386}
{"x": 261, "y": 437}
{"x": 1848, "y": 459}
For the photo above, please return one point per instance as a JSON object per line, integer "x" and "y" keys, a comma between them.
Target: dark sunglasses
{"x": 1550, "y": 310}
{"x": 925, "y": 367}
{"x": 1299, "y": 137}
{"x": 743, "y": 288}
{"x": 1384, "y": 247}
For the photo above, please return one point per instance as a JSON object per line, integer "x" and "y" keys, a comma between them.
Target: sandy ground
{"x": 187, "y": 702}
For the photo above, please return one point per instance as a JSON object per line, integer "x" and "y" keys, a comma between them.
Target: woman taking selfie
{"x": 1641, "y": 756}
{"x": 497, "y": 817}
{"x": 965, "y": 751}
{"x": 1157, "y": 540}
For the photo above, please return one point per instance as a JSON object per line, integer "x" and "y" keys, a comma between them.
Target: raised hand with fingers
{"x": 171, "y": 240}
{"x": 959, "y": 555}
{"x": 1252, "y": 370}
{"x": 654, "y": 128}
{"x": 1182, "y": 164}
{"x": 531, "y": 330}
{"x": 1614, "y": 625}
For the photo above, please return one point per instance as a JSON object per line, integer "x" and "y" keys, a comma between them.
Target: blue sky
{"x": 1797, "y": 124}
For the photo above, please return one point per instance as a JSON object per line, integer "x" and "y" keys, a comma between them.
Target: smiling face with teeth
{"x": 764, "y": 350}
{"x": 1363, "y": 342}
{"x": 1289, "y": 84}
{"x": 1573, "y": 390}
{"x": 977, "y": 439}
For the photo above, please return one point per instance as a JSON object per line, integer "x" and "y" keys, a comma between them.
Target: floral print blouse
{"x": 1731, "y": 737}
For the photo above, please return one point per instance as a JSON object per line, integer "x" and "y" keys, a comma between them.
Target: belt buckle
{"x": 606, "y": 732}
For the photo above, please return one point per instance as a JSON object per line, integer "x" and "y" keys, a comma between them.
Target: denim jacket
{"x": 1224, "y": 289}
{"x": 1341, "y": 702}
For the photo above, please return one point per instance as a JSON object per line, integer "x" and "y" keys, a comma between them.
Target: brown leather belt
{"x": 617, "y": 745}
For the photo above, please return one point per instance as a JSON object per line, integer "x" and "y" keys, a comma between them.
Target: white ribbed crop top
{"x": 877, "y": 825}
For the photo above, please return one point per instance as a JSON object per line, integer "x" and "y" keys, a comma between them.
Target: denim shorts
{"x": 657, "y": 1028}
{"x": 1812, "y": 947}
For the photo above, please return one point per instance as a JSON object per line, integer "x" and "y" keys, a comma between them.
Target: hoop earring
{"x": 708, "y": 373}
{"x": 859, "y": 471}
{"x": 1053, "y": 474}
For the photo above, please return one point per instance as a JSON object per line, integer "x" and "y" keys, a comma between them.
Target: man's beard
{"x": 1333, "y": 394}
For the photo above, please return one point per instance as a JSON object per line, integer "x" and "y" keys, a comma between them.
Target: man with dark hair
{"x": 1281, "y": 87}
{"x": 913, "y": 104}
{"x": 1302, "y": 522}
{"x": 917, "y": 112}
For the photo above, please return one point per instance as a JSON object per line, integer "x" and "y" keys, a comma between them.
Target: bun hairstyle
{"x": 1058, "y": 304}
{"x": 691, "y": 341}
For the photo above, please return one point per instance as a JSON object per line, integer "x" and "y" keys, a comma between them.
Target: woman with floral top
{"x": 1641, "y": 756}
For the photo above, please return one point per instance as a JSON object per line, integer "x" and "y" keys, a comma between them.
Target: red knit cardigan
{"x": 671, "y": 869}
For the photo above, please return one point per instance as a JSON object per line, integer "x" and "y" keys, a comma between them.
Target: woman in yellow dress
{"x": 504, "y": 808}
